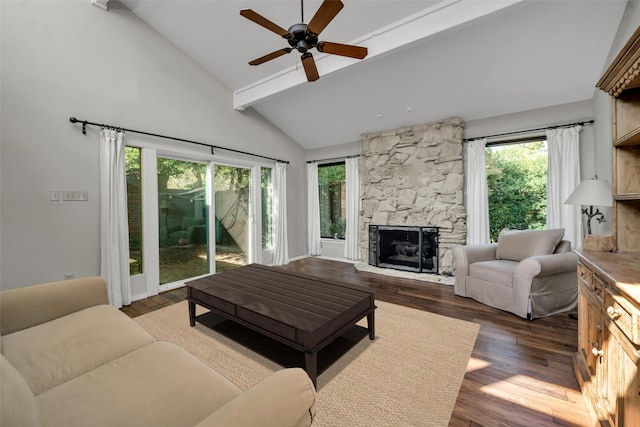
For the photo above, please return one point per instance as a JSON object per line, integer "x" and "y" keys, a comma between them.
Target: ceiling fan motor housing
{"x": 302, "y": 39}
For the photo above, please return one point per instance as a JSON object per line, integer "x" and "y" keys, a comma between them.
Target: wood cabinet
{"x": 608, "y": 359}
{"x": 622, "y": 82}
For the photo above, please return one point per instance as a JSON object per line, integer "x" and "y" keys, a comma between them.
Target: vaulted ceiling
{"x": 428, "y": 60}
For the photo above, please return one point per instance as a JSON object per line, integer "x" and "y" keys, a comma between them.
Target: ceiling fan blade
{"x": 327, "y": 11}
{"x": 270, "y": 56}
{"x": 261, "y": 20}
{"x": 310, "y": 67}
{"x": 349, "y": 50}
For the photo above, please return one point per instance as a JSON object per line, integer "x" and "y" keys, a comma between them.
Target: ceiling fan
{"x": 304, "y": 37}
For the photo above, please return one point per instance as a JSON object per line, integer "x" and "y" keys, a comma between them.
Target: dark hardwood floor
{"x": 520, "y": 373}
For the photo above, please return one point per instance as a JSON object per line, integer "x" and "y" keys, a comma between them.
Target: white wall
{"x": 68, "y": 58}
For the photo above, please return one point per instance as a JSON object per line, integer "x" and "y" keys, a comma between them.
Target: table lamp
{"x": 591, "y": 192}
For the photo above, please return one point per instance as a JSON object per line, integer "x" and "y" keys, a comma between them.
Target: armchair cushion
{"x": 498, "y": 271}
{"x": 516, "y": 245}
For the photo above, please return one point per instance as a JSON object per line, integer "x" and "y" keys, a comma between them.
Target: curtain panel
{"x": 114, "y": 220}
{"x": 478, "y": 231}
{"x": 313, "y": 209}
{"x": 563, "y": 177}
{"x": 352, "y": 178}
{"x": 280, "y": 238}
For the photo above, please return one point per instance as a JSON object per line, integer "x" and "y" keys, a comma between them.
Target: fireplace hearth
{"x": 404, "y": 248}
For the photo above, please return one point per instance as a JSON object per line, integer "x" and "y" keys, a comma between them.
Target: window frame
{"x": 327, "y": 165}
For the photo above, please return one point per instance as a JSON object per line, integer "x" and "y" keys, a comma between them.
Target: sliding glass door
{"x": 183, "y": 219}
{"x": 232, "y": 208}
{"x": 190, "y": 216}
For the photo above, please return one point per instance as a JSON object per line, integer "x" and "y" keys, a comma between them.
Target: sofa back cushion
{"x": 563, "y": 246}
{"x": 516, "y": 245}
{"x": 18, "y": 404}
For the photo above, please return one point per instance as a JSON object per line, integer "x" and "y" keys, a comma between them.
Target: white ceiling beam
{"x": 426, "y": 23}
{"x": 102, "y": 4}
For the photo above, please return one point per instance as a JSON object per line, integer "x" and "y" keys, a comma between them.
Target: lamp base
{"x": 595, "y": 243}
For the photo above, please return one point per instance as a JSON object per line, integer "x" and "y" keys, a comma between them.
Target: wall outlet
{"x": 69, "y": 276}
{"x": 55, "y": 195}
{"x": 75, "y": 196}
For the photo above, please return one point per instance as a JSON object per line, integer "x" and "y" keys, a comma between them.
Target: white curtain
{"x": 114, "y": 223}
{"x": 477, "y": 198}
{"x": 563, "y": 176}
{"x": 313, "y": 209}
{"x": 352, "y": 178}
{"x": 280, "y": 239}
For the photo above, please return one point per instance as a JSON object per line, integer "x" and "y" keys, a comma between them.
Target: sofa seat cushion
{"x": 498, "y": 271}
{"x": 17, "y": 405}
{"x": 516, "y": 245}
{"x": 55, "y": 352}
{"x": 156, "y": 385}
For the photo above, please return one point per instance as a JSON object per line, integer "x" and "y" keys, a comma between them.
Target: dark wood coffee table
{"x": 301, "y": 311}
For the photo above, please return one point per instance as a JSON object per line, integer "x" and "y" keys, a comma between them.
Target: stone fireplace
{"x": 413, "y": 176}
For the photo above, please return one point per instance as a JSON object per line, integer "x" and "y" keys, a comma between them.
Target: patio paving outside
{"x": 180, "y": 262}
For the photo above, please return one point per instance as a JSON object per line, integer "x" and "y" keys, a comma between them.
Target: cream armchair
{"x": 530, "y": 273}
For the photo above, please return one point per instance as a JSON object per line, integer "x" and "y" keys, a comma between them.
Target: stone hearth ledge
{"x": 425, "y": 277}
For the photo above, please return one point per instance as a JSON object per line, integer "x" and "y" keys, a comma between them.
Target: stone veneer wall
{"x": 414, "y": 176}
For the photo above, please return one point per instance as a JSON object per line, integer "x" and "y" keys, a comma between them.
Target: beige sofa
{"x": 530, "y": 273}
{"x": 70, "y": 359}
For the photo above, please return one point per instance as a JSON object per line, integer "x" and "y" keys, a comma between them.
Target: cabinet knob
{"x": 597, "y": 352}
{"x": 614, "y": 313}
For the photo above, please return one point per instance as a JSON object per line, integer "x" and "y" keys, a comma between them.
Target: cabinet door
{"x": 609, "y": 392}
{"x": 630, "y": 414}
{"x": 590, "y": 336}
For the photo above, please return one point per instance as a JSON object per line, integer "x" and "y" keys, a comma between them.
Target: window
{"x": 266, "y": 186}
{"x": 517, "y": 185}
{"x": 134, "y": 207}
{"x": 333, "y": 200}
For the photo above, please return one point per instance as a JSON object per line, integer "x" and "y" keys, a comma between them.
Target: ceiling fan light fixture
{"x": 304, "y": 37}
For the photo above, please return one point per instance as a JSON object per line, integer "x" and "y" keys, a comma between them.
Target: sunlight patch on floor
{"x": 477, "y": 364}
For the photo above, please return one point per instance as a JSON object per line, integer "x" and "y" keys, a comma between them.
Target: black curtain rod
{"x": 530, "y": 130}
{"x": 84, "y": 131}
{"x": 334, "y": 158}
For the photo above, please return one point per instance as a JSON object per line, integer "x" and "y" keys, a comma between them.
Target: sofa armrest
{"x": 467, "y": 255}
{"x": 537, "y": 267}
{"x": 25, "y": 307}
{"x": 547, "y": 265}
{"x": 286, "y": 398}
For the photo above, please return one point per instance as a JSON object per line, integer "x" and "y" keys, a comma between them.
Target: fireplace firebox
{"x": 404, "y": 248}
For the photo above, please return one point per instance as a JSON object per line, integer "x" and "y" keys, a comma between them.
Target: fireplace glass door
{"x": 404, "y": 248}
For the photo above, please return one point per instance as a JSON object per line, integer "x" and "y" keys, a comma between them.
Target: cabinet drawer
{"x": 591, "y": 281}
{"x": 625, "y": 316}
{"x": 599, "y": 286}
{"x": 585, "y": 275}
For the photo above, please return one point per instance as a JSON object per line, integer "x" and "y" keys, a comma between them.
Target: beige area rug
{"x": 409, "y": 375}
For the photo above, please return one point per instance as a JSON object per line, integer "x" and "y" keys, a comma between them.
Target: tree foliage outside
{"x": 517, "y": 187}
{"x": 331, "y": 179}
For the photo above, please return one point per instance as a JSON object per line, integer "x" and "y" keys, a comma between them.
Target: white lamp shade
{"x": 591, "y": 192}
